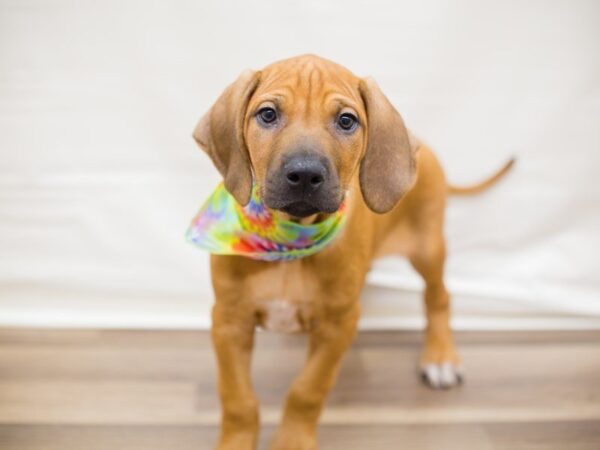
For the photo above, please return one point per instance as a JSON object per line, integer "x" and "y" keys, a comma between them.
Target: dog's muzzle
{"x": 303, "y": 185}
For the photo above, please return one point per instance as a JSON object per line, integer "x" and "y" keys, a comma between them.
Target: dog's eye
{"x": 267, "y": 115}
{"x": 347, "y": 121}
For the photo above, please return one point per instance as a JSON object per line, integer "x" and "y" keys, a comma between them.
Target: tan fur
{"x": 319, "y": 294}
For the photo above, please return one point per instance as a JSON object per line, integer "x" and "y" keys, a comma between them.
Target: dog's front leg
{"x": 233, "y": 339}
{"x": 328, "y": 343}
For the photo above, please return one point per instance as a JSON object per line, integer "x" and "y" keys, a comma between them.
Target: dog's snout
{"x": 303, "y": 183}
{"x": 305, "y": 172}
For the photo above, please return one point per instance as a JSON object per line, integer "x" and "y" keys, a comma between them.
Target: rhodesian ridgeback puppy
{"x": 311, "y": 122}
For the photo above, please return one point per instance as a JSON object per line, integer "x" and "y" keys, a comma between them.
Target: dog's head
{"x": 301, "y": 128}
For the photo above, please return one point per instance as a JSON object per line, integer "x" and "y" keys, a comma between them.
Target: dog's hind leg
{"x": 439, "y": 364}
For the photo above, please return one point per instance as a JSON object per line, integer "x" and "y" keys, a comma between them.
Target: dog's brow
{"x": 340, "y": 100}
{"x": 276, "y": 97}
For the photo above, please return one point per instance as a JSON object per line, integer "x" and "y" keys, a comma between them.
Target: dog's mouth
{"x": 301, "y": 206}
{"x": 300, "y": 209}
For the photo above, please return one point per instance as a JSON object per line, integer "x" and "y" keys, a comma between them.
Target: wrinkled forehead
{"x": 309, "y": 85}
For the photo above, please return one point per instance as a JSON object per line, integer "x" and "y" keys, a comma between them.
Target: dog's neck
{"x": 225, "y": 227}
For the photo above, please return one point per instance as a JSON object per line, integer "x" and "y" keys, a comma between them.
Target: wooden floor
{"x": 111, "y": 390}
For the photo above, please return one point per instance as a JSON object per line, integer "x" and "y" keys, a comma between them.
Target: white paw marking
{"x": 441, "y": 376}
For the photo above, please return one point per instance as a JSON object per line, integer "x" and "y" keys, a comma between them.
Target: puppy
{"x": 312, "y": 136}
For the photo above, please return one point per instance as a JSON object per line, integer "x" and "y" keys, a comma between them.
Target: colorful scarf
{"x": 224, "y": 227}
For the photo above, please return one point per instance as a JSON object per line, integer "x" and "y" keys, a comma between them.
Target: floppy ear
{"x": 220, "y": 133}
{"x": 387, "y": 170}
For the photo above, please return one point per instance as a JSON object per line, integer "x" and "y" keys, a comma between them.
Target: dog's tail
{"x": 485, "y": 184}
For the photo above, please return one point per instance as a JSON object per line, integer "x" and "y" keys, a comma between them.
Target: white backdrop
{"x": 99, "y": 176}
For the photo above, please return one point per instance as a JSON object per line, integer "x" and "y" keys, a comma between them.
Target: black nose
{"x": 306, "y": 173}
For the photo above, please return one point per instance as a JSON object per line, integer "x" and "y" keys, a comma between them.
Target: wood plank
{"x": 156, "y": 381}
{"x": 136, "y": 389}
{"x": 520, "y": 436}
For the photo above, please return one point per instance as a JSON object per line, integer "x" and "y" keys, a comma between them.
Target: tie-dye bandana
{"x": 224, "y": 227}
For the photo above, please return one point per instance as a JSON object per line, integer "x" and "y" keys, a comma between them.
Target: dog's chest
{"x": 281, "y": 316}
{"x": 285, "y": 297}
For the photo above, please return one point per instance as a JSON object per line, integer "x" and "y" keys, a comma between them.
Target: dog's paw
{"x": 290, "y": 439}
{"x": 444, "y": 375}
{"x": 237, "y": 441}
